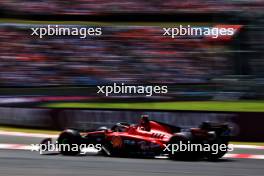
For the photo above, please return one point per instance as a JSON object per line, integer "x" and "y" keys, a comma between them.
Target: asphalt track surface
{"x": 28, "y": 163}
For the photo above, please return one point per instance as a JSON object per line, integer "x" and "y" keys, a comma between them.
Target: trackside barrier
{"x": 245, "y": 126}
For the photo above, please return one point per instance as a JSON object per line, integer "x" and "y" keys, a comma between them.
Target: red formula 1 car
{"x": 151, "y": 138}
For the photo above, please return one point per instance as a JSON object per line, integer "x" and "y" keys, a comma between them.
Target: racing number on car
{"x": 117, "y": 142}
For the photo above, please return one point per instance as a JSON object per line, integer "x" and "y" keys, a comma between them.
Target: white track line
{"x": 15, "y": 146}
{"x": 244, "y": 156}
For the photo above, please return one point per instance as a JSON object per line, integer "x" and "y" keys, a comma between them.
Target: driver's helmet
{"x": 144, "y": 123}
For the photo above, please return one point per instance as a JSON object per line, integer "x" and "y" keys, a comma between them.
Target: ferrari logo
{"x": 117, "y": 142}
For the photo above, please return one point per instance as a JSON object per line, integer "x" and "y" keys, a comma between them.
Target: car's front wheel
{"x": 69, "y": 142}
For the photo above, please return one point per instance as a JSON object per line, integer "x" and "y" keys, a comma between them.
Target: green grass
{"x": 225, "y": 106}
{"x": 247, "y": 143}
{"x": 27, "y": 130}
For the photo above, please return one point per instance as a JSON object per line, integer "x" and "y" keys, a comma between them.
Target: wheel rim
{"x": 65, "y": 141}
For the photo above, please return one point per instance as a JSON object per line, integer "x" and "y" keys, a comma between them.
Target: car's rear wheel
{"x": 174, "y": 142}
{"x": 178, "y": 152}
{"x": 215, "y": 155}
{"x": 69, "y": 142}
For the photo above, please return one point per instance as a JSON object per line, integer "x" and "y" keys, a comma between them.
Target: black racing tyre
{"x": 69, "y": 142}
{"x": 176, "y": 140}
{"x": 182, "y": 139}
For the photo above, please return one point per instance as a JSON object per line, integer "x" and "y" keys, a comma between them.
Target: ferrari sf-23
{"x": 150, "y": 138}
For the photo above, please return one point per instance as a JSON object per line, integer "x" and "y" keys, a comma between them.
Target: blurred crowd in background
{"x": 135, "y": 55}
{"x": 84, "y": 7}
